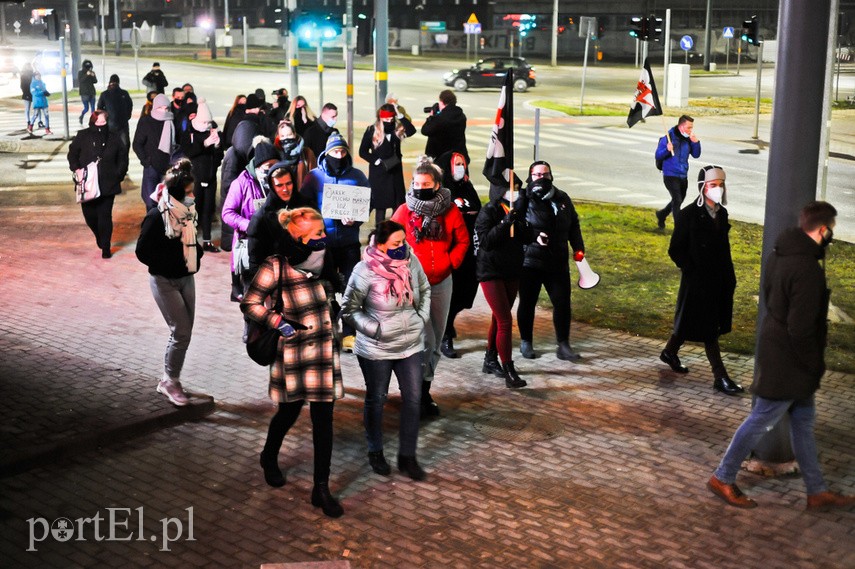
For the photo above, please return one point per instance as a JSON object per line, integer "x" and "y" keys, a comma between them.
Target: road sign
{"x": 472, "y": 19}
{"x": 728, "y": 32}
{"x": 17, "y": 26}
{"x": 432, "y": 26}
{"x": 471, "y": 28}
{"x": 587, "y": 24}
{"x": 686, "y": 43}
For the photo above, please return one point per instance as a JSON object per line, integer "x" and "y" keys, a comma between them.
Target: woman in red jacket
{"x": 437, "y": 235}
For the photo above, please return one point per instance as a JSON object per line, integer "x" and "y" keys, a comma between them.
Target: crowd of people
{"x": 394, "y": 300}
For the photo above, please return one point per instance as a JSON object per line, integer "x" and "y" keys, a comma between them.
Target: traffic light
{"x": 639, "y": 28}
{"x": 365, "y": 36}
{"x": 601, "y": 28}
{"x": 749, "y": 31}
{"x": 654, "y": 27}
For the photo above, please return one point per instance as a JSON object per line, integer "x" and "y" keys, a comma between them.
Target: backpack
{"x": 659, "y": 161}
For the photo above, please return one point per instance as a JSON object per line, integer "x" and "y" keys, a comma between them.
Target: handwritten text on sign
{"x": 342, "y": 201}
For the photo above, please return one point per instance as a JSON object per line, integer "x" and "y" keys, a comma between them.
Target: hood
{"x": 245, "y": 131}
{"x": 444, "y": 162}
{"x": 793, "y": 242}
{"x": 498, "y": 190}
{"x": 275, "y": 201}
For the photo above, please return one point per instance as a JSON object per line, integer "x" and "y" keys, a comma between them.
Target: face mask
{"x": 714, "y": 194}
{"x": 189, "y": 202}
{"x": 542, "y": 188}
{"x": 458, "y": 172}
{"x": 263, "y": 182}
{"x": 827, "y": 237}
{"x": 330, "y": 122}
{"x": 425, "y": 194}
{"x": 334, "y": 165}
{"x": 399, "y": 253}
{"x": 317, "y": 244}
{"x": 388, "y": 127}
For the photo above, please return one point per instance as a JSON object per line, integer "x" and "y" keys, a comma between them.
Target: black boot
{"x": 378, "y": 463}
{"x": 321, "y": 498}
{"x": 512, "y": 378}
{"x": 726, "y": 385}
{"x": 409, "y": 466}
{"x": 527, "y": 350}
{"x": 447, "y": 347}
{"x": 429, "y": 407}
{"x": 566, "y": 353}
{"x": 491, "y": 363}
{"x": 272, "y": 475}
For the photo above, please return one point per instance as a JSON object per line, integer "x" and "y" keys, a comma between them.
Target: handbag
{"x": 391, "y": 162}
{"x": 86, "y": 187}
{"x": 241, "y": 253}
{"x": 261, "y": 341}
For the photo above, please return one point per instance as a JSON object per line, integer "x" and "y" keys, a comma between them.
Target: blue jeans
{"x": 377, "y": 375}
{"x": 88, "y": 105}
{"x": 150, "y": 179}
{"x": 765, "y": 414}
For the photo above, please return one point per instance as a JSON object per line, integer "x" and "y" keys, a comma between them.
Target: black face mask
{"x": 425, "y": 194}
{"x": 388, "y": 127}
{"x": 296, "y": 251}
{"x": 541, "y": 188}
{"x": 335, "y": 166}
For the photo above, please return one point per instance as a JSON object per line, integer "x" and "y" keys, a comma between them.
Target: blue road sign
{"x": 686, "y": 43}
{"x": 728, "y": 32}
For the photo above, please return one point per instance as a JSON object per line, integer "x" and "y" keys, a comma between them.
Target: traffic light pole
{"x": 348, "y": 65}
{"x": 293, "y": 55}
{"x": 757, "y": 91}
{"x": 381, "y": 51}
{"x": 707, "y": 37}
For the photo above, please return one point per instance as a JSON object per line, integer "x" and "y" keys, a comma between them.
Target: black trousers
{"x": 711, "y": 347}
{"x": 557, "y": 284}
{"x": 677, "y": 188}
{"x": 98, "y": 215}
{"x": 322, "y": 433}
{"x": 206, "y": 198}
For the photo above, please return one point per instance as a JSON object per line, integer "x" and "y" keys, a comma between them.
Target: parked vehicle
{"x": 491, "y": 72}
{"x": 10, "y": 61}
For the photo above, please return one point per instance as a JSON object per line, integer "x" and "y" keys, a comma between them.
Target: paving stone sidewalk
{"x": 599, "y": 464}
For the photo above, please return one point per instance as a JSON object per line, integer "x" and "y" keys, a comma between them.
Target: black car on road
{"x": 491, "y": 72}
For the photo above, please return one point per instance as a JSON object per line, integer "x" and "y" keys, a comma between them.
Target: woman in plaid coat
{"x": 307, "y": 367}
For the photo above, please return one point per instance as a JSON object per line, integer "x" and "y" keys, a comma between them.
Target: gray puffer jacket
{"x": 384, "y": 330}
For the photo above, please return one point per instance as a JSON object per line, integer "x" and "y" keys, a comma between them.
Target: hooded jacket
{"x": 237, "y": 156}
{"x": 86, "y": 80}
{"x": 338, "y": 234}
{"x": 792, "y": 337}
{"x": 39, "y": 93}
{"x": 240, "y": 204}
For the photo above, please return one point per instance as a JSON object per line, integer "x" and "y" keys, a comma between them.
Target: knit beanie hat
{"x": 114, "y": 78}
{"x": 203, "y": 116}
{"x": 252, "y": 101}
{"x": 335, "y": 140}
{"x": 263, "y": 152}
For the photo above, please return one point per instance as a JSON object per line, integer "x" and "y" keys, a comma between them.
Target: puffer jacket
{"x": 38, "y": 92}
{"x": 384, "y": 330}
{"x": 557, "y": 218}
{"x": 240, "y": 205}
{"x": 338, "y": 234}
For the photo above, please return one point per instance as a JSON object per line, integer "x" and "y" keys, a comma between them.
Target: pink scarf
{"x": 396, "y": 273}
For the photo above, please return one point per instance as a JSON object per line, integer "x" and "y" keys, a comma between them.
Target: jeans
{"x": 322, "y": 433}
{"x": 28, "y": 105}
{"x": 150, "y": 179}
{"x": 677, "y": 188}
{"x": 40, "y": 113}
{"x": 377, "y": 374}
{"x": 500, "y": 295}
{"x": 764, "y": 415}
{"x": 98, "y": 214}
{"x": 176, "y": 299}
{"x": 557, "y": 284}
{"x": 88, "y": 105}
{"x": 440, "y": 301}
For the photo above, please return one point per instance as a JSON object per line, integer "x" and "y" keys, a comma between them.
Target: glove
{"x": 521, "y": 204}
{"x": 286, "y": 329}
{"x": 510, "y": 217}
{"x": 543, "y": 239}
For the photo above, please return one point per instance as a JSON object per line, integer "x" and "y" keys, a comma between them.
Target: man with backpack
{"x": 672, "y": 157}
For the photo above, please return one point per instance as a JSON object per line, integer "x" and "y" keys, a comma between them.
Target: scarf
{"x": 180, "y": 221}
{"x": 292, "y": 149}
{"x": 430, "y": 229}
{"x": 167, "y": 133}
{"x": 312, "y": 266}
{"x": 395, "y": 272}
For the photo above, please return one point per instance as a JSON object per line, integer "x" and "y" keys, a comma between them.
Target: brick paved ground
{"x": 599, "y": 465}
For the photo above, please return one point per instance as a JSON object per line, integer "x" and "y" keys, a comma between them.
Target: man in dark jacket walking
{"x": 155, "y": 80}
{"x": 119, "y": 106}
{"x": 673, "y": 153}
{"x": 789, "y": 360}
{"x": 319, "y": 131}
{"x": 445, "y": 127}
{"x": 700, "y": 247}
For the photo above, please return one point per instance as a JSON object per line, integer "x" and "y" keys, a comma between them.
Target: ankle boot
{"x": 378, "y": 463}
{"x": 272, "y": 475}
{"x": 321, "y": 498}
{"x": 512, "y": 378}
{"x": 491, "y": 363}
{"x": 527, "y": 350}
{"x": 447, "y": 348}
{"x": 409, "y": 466}
{"x": 429, "y": 407}
{"x": 566, "y": 353}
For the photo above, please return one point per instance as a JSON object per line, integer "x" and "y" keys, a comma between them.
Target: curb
{"x": 19, "y": 462}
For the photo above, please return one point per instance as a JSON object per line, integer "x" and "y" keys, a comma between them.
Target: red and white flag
{"x": 646, "y": 100}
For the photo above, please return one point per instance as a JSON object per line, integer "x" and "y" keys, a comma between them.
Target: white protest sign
{"x": 346, "y": 201}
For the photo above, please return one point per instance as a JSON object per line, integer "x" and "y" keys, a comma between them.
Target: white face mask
{"x": 458, "y": 172}
{"x": 330, "y": 122}
{"x": 715, "y": 194}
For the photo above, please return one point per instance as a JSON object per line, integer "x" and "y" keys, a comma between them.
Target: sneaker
{"x": 347, "y": 343}
{"x": 30, "y": 128}
{"x": 81, "y": 120}
{"x": 172, "y": 390}
{"x": 48, "y": 131}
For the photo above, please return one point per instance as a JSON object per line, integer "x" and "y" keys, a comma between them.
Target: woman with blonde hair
{"x": 381, "y": 148}
{"x": 307, "y": 366}
{"x": 300, "y": 114}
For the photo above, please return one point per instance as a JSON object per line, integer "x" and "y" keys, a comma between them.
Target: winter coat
{"x": 338, "y": 234}
{"x": 387, "y": 183}
{"x": 299, "y": 162}
{"x": 234, "y": 119}
{"x": 26, "y": 82}
{"x": 155, "y": 80}
{"x": 700, "y": 247}
{"x": 39, "y": 94}
{"x": 678, "y": 164}
{"x": 385, "y": 330}
{"x": 498, "y": 255}
{"x": 316, "y": 135}
{"x": 146, "y": 142}
{"x": 98, "y": 142}
{"x": 244, "y": 193}
{"x": 237, "y": 156}
{"x": 205, "y": 159}
{"x": 86, "y": 83}
{"x": 792, "y": 338}
{"x": 446, "y": 132}
{"x": 307, "y": 365}
{"x": 163, "y": 256}
{"x": 438, "y": 258}
{"x": 557, "y": 218}
{"x": 119, "y": 106}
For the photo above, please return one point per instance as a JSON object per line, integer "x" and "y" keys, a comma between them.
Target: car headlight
{"x": 449, "y": 75}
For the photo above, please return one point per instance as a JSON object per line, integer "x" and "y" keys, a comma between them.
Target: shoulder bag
{"x": 86, "y": 186}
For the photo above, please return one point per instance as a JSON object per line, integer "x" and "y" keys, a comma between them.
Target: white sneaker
{"x": 172, "y": 390}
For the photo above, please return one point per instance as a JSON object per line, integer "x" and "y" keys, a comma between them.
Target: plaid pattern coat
{"x": 308, "y": 366}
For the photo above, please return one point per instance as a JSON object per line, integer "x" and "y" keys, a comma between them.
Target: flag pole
{"x": 511, "y": 201}
{"x": 667, "y": 134}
